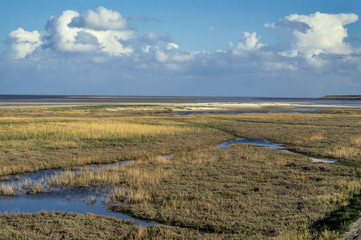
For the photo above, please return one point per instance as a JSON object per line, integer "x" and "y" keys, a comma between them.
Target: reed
{"x": 84, "y": 129}
{"x": 304, "y": 234}
{"x": 356, "y": 141}
{"x": 237, "y": 192}
{"x": 344, "y": 152}
{"x": 225, "y": 190}
{"x": 8, "y": 189}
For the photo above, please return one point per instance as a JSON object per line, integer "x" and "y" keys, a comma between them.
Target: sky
{"x": 260, "y": 48}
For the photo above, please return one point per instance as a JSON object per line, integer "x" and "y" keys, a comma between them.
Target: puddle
{"x": 259, "y": 142}
{"x": 267, "y": 143}
{"x": 323, "y": 160}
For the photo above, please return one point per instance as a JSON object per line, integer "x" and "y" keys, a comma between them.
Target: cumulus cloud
{"x": 65, "y": 38}
{"x": 101, "y": 30}
{"x": 171, "y": 46}
{"x": 173, "y": 57}
{"x": 100, "y": 46}
{"x": 317, "y": 33}
{"x": 248, "y": 42}
{"x": 23, "y": 42}
{"x": 101, "y": 19}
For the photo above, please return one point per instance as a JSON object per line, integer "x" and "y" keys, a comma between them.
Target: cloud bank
{"x": 99, "y": 53}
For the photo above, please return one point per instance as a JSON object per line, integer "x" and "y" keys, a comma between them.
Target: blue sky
{"x": 230, "y": 48}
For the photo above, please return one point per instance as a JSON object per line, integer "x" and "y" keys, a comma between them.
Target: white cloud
{"x": 326, "y": 33}
{"x": 102, "y": 47}
{"x": 172, "y": 55}
{"x": 317, "y": 33}
{"x": 23, "y": 42}
{"x": 63, "y": 37}
{"x": 101, "y": 19}
{"x": 172, "y": 46}
{"x": 92, "y": 32}
{"x": 248, "y": 42}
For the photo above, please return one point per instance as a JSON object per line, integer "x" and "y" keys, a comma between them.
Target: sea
{"x": 86, "y": 99}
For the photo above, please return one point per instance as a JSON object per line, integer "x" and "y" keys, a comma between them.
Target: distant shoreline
{"x": 79, "y": 100}
{"x": 342, "y": 97}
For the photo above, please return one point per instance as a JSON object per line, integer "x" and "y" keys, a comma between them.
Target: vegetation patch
{"x": 57, "y": 225}
{"x": 238, "y": 192}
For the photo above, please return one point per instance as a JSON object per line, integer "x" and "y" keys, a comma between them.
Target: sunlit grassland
{"x": 237, "y": 192}
{"x": 240, "y": 191}
{"x": 83, "y": 129}
{"x": 38, "y": 139}
{"x": 334, "y": 134}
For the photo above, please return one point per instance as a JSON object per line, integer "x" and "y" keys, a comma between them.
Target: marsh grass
{"x": 241, "y": 191}
{"x": 344, "y": 152}
{"x": 305, "y": 233}
{"x": 237, "y": 192}
{"x": 356, "y": 141}
{"x": 8, "y": 189}
{"x": 57, "y": 225}
{"x": 83, "y": 130}
{"x": 24, "y": 185}
{"x": 128, "y": 173}
{"x": 30, "y": 144}
{"x": 323, "y": 135}
{"x": 35, "y": 188}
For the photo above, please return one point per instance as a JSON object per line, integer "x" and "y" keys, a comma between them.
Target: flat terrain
{"x": 244, "y": 191}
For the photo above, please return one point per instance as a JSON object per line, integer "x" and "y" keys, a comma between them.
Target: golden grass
{"x": 255, "y": 189}
{"x": 83, "y": 129}
{"x": 340, "y": 198}
{"x": 316, "y": 137}
{"x": 244, "y": 190}
{"x": 38, "y": 139}
{"x": 129, "y": 173}
{"x": 7, "y": 189}
{"x": 305, "y": 234}
{"x": 356, "y": 141}
{"x": 35, "y": 189}
{"x": 344, "y": 152}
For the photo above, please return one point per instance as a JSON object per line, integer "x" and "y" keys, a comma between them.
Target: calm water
{"x": 267, "y": 143}
{"x": 167, "y": 99}
{"x": 77, "y": 200}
